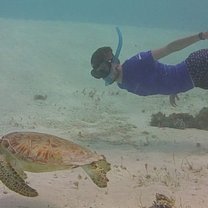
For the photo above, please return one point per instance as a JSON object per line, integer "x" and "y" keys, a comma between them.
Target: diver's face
{"x": 114, "y": 74}
{"x": 105, "y": 67}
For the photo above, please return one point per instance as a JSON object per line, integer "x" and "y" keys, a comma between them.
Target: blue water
{"x": 185, "y": 14}
{"x": 53, "y": 60}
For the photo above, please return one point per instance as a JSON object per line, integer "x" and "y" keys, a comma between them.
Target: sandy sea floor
{"x": 52, "y": 59}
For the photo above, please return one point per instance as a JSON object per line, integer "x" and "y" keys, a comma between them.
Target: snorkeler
{"x": 144, "y": 75}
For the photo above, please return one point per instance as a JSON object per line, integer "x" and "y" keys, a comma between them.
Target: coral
{"x": 174, "y": 120}
{"x": 181, "y": 120}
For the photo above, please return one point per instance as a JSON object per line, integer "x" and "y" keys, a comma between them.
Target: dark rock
{"x": 201, "y": 119}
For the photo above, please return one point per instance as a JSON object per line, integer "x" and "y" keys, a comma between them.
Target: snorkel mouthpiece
{"x": 109, "y": 80}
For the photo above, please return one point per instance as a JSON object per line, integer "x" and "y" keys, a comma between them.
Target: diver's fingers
{"x": 177, "y": 97}
{"x": 172, "y": 100}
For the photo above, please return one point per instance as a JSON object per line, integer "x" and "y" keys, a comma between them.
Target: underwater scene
{"x": 71, "y": 137}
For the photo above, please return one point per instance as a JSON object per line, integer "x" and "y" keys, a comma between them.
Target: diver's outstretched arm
{"x": 178, "y": 45}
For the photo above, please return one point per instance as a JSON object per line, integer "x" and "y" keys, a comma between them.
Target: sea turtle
{"x": 40, "y": 152}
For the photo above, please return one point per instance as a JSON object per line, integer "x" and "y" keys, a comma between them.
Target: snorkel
{"x": 109, "y": 80}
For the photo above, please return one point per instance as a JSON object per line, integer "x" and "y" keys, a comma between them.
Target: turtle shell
{"x": 48, "y": 150}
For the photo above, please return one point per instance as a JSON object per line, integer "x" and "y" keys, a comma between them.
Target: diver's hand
{"x": 172, "y": 99}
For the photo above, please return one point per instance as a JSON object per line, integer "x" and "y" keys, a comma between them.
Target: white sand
{"x": 52, "y": 58}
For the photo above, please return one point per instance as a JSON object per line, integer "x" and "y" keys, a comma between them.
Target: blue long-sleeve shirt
{"x": 142, "y": 75}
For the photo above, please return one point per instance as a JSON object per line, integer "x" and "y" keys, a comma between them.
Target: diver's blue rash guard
{"x": 142, "y": 75}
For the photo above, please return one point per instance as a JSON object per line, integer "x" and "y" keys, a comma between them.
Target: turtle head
{"x": 97, "y": 172}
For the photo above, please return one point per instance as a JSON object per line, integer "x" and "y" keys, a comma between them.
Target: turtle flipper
{"x": 17, "y": 166}
{"x": 13, "y": 181}
{"x": 97, "y": 172}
